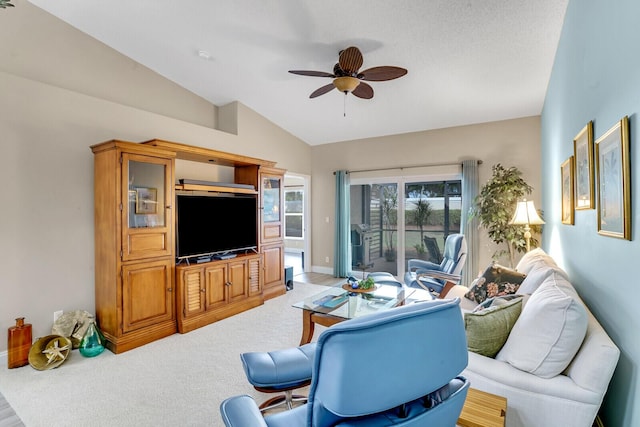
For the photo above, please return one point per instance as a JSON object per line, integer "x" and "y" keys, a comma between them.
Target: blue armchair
{"x": 397, "y": 367}
{"x": 432, "y": 276}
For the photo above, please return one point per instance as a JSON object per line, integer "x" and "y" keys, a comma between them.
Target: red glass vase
{"x": 18, "y": 343}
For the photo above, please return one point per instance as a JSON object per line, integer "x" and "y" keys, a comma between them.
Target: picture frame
{"x": 146, "y": 201}
{"x": 567, "y": 174}
{"x": 583, "y": 164}
{"x": 613, "y": 172}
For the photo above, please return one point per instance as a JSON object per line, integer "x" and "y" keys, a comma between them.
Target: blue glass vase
{"x": 92, "y": 343}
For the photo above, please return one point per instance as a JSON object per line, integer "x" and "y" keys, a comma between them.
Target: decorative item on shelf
{"x": 92, "y": 343}
{"x": 18, "y": 344}
{"x": 49, "y": 352}
{"x": 526, "y": 214}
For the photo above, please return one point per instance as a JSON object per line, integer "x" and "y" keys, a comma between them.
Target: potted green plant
{"x": 389, "y": 206}
{"x": 5, "y": 4}
{"x": 421, "y": 216}
{"x": 494, "y": 208}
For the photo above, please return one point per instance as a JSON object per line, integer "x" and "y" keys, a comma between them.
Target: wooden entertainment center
{"x": 141, "y": 294}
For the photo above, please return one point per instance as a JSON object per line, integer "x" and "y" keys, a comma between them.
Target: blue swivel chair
{"x": 432, "y": 276}
{"x": 397, "y": 367}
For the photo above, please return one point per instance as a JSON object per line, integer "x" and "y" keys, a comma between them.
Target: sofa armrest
{"x": 241, "y": 411}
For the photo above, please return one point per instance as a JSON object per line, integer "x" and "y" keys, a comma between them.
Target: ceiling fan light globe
{"x": 346, "y": 84}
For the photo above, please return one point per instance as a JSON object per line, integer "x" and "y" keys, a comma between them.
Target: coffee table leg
{"x": 308, "y": 327}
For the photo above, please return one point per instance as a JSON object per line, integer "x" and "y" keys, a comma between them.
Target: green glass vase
{"x": 92, "y": 343}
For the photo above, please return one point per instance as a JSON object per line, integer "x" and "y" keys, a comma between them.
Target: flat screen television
{"x": 215, "y": 223}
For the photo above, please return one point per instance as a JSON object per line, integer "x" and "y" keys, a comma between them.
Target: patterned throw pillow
{"x": 496, "y": 280}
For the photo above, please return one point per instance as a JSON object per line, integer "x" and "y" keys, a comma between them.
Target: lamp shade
{"x": 526, "y": 213}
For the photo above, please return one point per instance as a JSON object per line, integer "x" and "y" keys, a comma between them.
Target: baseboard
{"x": 323, "y": 270}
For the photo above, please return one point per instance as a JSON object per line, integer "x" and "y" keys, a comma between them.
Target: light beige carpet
{"x": 176, "y": 381}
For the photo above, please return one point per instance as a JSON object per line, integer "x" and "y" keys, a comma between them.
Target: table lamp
{"x": 526, "y": 214}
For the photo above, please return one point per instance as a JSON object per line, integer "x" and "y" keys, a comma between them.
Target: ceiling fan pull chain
{"x": 344, "y": 108}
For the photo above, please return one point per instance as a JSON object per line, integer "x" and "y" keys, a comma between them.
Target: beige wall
{"x": 62, "y": 91}
{"x": 50, "y": 113}
{"x": 511, "y": 142}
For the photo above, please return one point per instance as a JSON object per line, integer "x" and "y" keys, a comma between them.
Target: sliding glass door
{"x": 432, "y": 212}
{"x": 397, "y": 219}
{"x": 374, "y": 227}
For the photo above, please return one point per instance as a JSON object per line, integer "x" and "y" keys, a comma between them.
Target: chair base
{"x": 287, "y": 399}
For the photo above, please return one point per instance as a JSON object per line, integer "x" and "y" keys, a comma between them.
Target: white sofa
{"x": 536, "y": 396}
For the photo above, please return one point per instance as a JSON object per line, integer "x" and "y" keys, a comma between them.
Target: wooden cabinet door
{"x": 273, "y": 265}
{"x": 216, "y": 286}
{"x": 147, "y": 294}
{"x": 192, "y": 287}
{"x": 238, "y": 285}
{"x": 255, "y": 276}
{"x": 146, "y": 207}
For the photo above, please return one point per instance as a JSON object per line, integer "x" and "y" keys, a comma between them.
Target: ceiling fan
{"x": 347, "y": 78}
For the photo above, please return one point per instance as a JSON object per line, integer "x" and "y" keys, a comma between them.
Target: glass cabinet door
{"x": 271, "y": 193}
{"x": 146, "y": 208}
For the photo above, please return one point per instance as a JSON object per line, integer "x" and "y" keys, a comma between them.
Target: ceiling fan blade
{"x": 350, "y": 60}
{"x": 321, "y": 91}
{"x": 380, "y": 74}
{"x": 311, "y": 73}
{"x": 363, "y": 91}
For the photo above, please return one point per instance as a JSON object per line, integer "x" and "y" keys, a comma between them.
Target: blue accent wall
{"x": 596, "y": 76}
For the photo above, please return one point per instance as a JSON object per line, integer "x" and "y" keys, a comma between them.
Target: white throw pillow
{"x": 533, "y": 258}
{"x": 536, "y": 276}
{"x": 549, "y": 331}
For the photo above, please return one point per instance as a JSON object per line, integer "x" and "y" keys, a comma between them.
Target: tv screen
{"x": 213, "y": 224}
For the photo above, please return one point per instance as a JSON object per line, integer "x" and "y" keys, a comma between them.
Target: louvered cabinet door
{"x": 255, "y": 280}
{"x": 191, "y": 284}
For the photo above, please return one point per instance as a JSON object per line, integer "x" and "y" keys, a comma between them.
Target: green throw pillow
{"x": 488, "y": 329}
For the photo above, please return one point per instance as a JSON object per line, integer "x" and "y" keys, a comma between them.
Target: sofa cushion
{"x": 496, "y": 280}
{"x": 496, "y": 301}
{"x": 534, "y": 279}
{"x": 500, "y": 274}
{"x": 488, "y": 329}
{"x": 533, "y": 258}
{"x": 549, "y": 331}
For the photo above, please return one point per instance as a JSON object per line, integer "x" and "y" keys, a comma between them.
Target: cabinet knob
{"x": 169, "y": 207}
{"x": 228, "y": 283}
{"x": 170, "y": 289}
{"x": 202, "y": 290}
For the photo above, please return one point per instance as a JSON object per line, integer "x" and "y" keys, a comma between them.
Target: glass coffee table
{"x": 339, "y": 303}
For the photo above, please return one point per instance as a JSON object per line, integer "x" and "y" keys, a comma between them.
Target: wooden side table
{"x": 482, "y": 409}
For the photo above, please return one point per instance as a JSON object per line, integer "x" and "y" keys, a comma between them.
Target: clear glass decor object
{"x": 92, "y": 343}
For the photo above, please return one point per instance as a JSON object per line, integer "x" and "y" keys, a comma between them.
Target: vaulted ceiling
{"x": 469, "y": 61}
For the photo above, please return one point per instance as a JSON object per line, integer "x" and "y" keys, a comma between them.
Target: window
{"x": 293, "y": 214}
{"x": 394, "y": 219}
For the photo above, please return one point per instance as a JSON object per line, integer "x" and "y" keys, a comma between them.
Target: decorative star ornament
{"x": 54, "y": 353}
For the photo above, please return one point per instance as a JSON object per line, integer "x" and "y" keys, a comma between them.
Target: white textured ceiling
{"x": 469, "y": 61}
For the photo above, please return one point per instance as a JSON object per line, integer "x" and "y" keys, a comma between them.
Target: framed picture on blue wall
{"x": 614, "y": 192}
{"x": 583, "y": 157}
{"x": 567, "y": 191}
